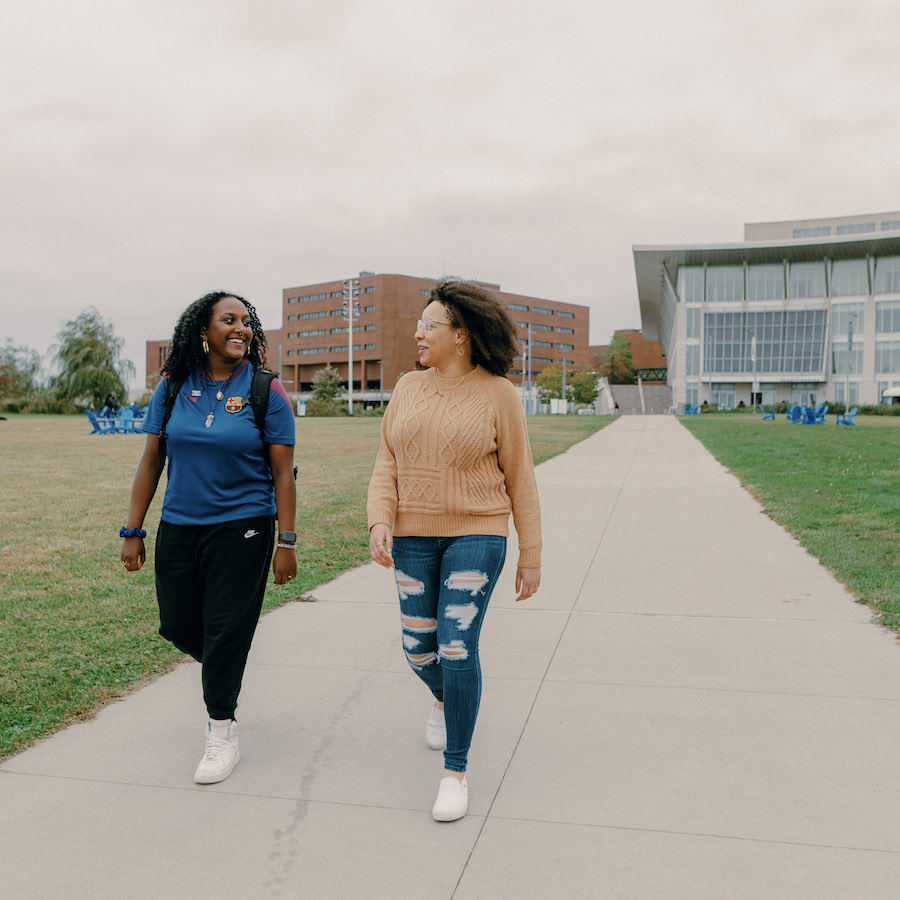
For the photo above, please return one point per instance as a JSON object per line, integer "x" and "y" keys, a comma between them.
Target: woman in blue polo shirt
{"x": 228, "y": 481}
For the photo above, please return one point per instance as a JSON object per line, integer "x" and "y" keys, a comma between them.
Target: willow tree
{"x": 89, "y": 356}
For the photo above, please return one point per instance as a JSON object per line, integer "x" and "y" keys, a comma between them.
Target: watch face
{"x": 288, "y": 536}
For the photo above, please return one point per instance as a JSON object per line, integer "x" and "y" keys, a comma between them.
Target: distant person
{"x": 454, "y": 462}
{"x": 110, "y": 405}
{"x": 227, "y": 484}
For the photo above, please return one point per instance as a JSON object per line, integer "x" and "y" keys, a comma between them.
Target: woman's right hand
{"x": 381, "y": 545}
{"x": 133, "y": 553}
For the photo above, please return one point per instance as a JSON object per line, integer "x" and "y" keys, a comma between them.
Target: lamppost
{"x": 565, "y": 399}
{"x": 350, "y": 313}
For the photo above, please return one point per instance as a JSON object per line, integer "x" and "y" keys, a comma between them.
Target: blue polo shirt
{"x": 219, "y": 474}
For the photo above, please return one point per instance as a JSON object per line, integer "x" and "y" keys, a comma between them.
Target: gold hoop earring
{"x": 206, "y": 346}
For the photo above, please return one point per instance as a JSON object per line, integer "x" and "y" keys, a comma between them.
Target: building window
{"x": 692, "y": 359}
{"x": 887, "y": 275}
{"x": 786, "y": 341}
{"x": 806, "y": 280}
{"x": 541, "y": 344}
{"x": 425, "y": 292}
{"x": 541, "y": 327}
{"x": 292, "y": 299}
{"x": 842, "y": 314}
{"x": 840, "y": 392}
{"x": 724, "y": 284}
{"x": 336, "y": 294}
{"x": 565, "y": 346}
{"x": 308, "y": 350}
{"x": 848, "y": 278}
{"x": 564, "y": 315}
{"x": 315, "y": 333}
{"x": 543, "y": 312}
{"x": 543, "y": 359}
{"x": 292, "y": 318}
{"x": 369, "y": 309}
{"x": 370, "y": 327}
{"x": 691, "y": 392}
{"x": 817, "y": 231}
{"x": 370, "y": 346}
{"x": 565, "y": 330}
{"x": 803, "y": 395}
{"x": 846, "y": 361}
{"x": 891, "y": 225}
{"x": 693, "y": 321}
{"x": 859, "y": 228}
{"x": 334, "y": 312}
{"x": 292, "y": 352}
{"x": 768, "y": 394}
{"x": 292, "y": 334}
{"x": 690, "y": 284}
{"x": 887, "y": 317}
{"x": 765, "y": 282}
{"x": 343, "y": 348}
{"x": 887, "y": 357}
{"x": 371, "y": 289}
{"x": 318, "y": 314}
{"x": 722, "y": 395}
{"x": 517, "y": 306}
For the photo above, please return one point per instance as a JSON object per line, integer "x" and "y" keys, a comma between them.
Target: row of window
{"x": 548, "y": 344}
{"x": 794, "y": 281}
{"x": 324, "y": 296}
{"x": 307, "y": 351}
{"x": 858, "y": 228}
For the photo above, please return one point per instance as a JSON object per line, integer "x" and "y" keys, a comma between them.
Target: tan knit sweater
{"x": 455, "y": 460}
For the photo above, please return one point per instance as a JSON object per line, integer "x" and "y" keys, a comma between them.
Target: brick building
{"x": 315, "y": 332}
{"x": 647, "y": 356}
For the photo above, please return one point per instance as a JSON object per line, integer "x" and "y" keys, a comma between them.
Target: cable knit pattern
{"x": 455, "y": 460}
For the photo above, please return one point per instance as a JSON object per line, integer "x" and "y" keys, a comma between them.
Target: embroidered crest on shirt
{"x": 234, "y": 404}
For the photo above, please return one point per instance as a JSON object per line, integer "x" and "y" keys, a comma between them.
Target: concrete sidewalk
{"x": 691, "y": 707}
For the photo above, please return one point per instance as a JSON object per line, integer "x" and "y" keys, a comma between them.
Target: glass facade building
{"x": 815, "y": 317}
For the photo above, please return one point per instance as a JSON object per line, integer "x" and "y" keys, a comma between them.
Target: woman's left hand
{"x": 527, "y": 582}
{"x": 284, "y": 565}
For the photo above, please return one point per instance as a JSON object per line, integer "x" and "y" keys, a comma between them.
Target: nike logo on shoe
{"x": 250, "y": 533}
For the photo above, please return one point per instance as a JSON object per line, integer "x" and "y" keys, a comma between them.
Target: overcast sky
{"x": 156, "y": 150}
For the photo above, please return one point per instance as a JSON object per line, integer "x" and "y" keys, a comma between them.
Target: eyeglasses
{"x": 426, "y": 323}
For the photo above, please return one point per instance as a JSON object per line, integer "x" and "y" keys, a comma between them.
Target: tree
{"x": 549, "y": 385}
{"x": 584, "y": 387}
{"x": 90, "y": 358}
{"x": 327, "y": 385}
{"x": 20, "y": 370}
{"x": 616, "y": 364}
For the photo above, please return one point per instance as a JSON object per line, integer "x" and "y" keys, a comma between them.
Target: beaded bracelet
{"x": 132, "y": 532}
{"x": 286, "y": 546}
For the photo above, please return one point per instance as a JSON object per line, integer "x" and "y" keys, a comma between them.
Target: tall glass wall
{"x": 765, "y": 282}
{"x": 849, "y": 278}
{"x": 786, "y": 341}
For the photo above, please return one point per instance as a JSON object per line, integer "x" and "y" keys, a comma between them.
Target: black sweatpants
{"x": 210, "y": 582}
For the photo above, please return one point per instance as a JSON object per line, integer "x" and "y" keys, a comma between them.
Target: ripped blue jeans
{"x": 444, "y": 586}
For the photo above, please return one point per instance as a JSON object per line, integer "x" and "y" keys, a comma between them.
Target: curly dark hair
{"x": 187, "y": 345}
{"x": 492, "y": 333}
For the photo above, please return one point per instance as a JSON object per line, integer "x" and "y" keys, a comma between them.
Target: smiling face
{"x": 228, "y": 333}
{"x": 437, "y": 346}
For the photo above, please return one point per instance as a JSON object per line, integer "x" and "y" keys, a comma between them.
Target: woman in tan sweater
{"x": 454, "y": 463}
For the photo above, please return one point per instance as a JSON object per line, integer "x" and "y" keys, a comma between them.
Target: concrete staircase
{"x": 657, "y": 399}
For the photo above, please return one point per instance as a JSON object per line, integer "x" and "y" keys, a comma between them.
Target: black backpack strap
{"x": 259, "y": 400}
{"x": 173, "y": 386}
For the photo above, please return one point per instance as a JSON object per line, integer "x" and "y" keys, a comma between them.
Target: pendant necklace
{"x": 220, "y": 395}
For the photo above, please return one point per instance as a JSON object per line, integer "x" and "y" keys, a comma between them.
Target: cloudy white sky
{"x": 156, "y": 150}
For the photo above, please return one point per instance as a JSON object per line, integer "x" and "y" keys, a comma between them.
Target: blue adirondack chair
{"x": 769, "y": 414}
{"x": 691, "y": 410}
{"x": 821, "y": 412}
{"x": 794, "y": 415}
{"x": 100, "y": 426}
{"x": 846, "y": 418}
{"x": 126, "y": 422}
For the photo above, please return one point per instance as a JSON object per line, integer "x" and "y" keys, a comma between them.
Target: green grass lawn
{"x": 75, "y": 629}
{"x": 837, "y": 489}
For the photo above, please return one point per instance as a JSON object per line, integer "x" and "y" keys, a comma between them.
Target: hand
{"x": 527, "y": 582}
{"x": 133, "y": 554}
{"x": 284, "y": 565}
{"x": 381, "y": 545}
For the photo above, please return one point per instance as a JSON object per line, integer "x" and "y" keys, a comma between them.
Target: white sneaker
{"x": 222, "y": 753}
{"x": 436, "y": 730}
{"x": 452, "y": 800}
